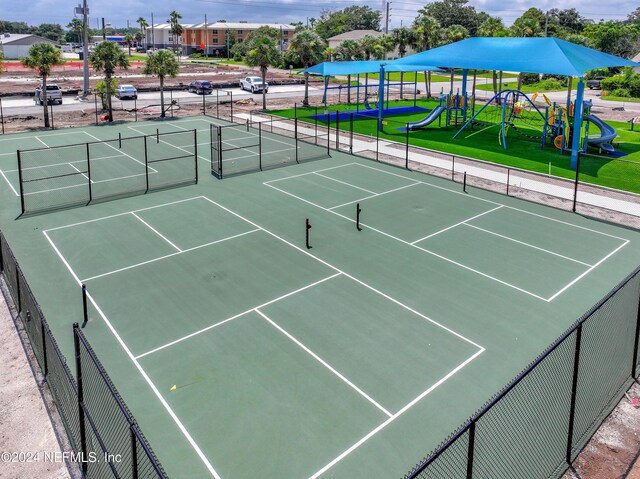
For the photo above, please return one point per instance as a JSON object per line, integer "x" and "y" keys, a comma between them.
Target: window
{"x": 214, "y": 32}
{"x": 285, "y": 32}
{"x": 239, "y": 32}
{"x": 215, "y": 41}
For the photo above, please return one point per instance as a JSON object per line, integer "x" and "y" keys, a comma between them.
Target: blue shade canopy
{"x": 533, "y": 55}
{"x": 356, "y": 67}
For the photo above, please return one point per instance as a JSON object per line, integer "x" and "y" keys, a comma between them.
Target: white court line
{"x": 9, "y": 183}
{"x": 589, "y": 270}
{"x": 394, "y": 417}
{"x": 344, "y": 183}
{"x": 164, "y": 403}
{"x": 29, "y": 137}
{"x": 63, "y": 163}
{"x": 253, "y": 154}
{"x": 374, "y": 196}
{"x": 307, "y": 173}
{"x": 200, "y": 331}
{"x": 413, "y": 245}
{"x": 106, "y": 143}
{"x": 42, "y": 142}
{"x": 325, "y": 364}
{"x": 527, "y": 244}
{"x": 175, "y": 146}
{"x": 453, "y": 226}
{"x": 156, "y": 231}
{"x": 169, "y": 255}
{"x": 122, "y": 214}
{"x": 71, "y": 165}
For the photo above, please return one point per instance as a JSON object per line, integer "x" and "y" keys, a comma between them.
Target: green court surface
{"x": 242, "y": 353}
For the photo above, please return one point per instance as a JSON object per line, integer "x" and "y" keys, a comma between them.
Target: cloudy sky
{"x": 117, "y": 12}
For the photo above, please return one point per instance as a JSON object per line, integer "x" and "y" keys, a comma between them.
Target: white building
{"x": 16, "y": 45}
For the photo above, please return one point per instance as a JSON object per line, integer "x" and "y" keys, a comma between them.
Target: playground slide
{"x": 435, "y": 113}
{"x": 607, "y": 134}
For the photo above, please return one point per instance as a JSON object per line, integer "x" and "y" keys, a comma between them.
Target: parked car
{"x": 54, "y": 94}
{"x": 253, "y": 84}
{"x": 595, "y": 83}
{"x": 126, "y": 91}
{"x": 200, "y": 87}
{"x": 141, "y": 49}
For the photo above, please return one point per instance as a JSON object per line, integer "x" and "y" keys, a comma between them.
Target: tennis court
{"x": 244, "y": 353}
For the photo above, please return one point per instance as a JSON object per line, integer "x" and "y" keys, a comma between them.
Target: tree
{"x": 143, "y": 28}
{"x": 453, "y": 12}
{"x": 428, "y": 35}
{"x": 348, "y": 50}
{"x": 101, "y": 91}
{"x": 616, "y": 38}
{"x": 263, "y": 53}
{"x": 128, "y": 38}
{"x": 138, "y": 37}
{"x": 241, "y": 49}
{"x": 634, "y": 17}
{"x": 106, "y": 58}
{"x": 43, "y": 57}
{"x": 308, "y": 48}
{"x": 570, "y": 20}
{"x": 175, "y": 28}
{"x": 492, "y": 27}
{"x": 52, "y": 31}
{"x": 74, "y": 35}
{"x": 530, "y": 24}
{"x": 371, "y": 48}
{"x": 351, "y": 18}
{"x": 402, "y": 38}
{"x": 162, "y": 63}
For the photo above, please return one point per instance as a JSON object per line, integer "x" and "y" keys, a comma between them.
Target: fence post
{"x": 2, "y": 117}
{"x": 406, "y": 147}
{"x": 195, "y": 154}
{"x": 89, "y": 174}
{"x": 472, "y": 443}
{"x": 95, "y": 102}
{"x": 351, "y": 133}
{"x": 134, "y": 453}
{"x": 259, "y": 144}
{"x": 337, "y": 130}
{"x": 81, "y": 419}
{"x": 295, "y": 136}
{"x": 508, "y": 175}
{"x": 575, "y": 187}
{"x": 146, "y": 163}
{"x": 574, "y": 385}
{"x": 45, "y": 364}
{"x": 20, "y": 181}
{"x": 453, "y": 168}
{"x": 135, "y": 108}
{"x": 219, "y": 151}
{"x": 634, "y": 369}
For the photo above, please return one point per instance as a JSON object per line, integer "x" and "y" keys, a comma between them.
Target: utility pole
{"x": 104, "y": 34}
{"x": 85, "y": 50}
{"x": 281, "y": 39}
{"x": 386, "y": 22}
{"x": 153, "y": 37}
{"x": 206, "y": 36}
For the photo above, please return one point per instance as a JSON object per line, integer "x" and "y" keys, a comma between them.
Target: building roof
{"x": 23, "y": 39}
{"x": 226, "y": 26}
{"x": 533, "y": 55}
{"x": 355, "y": 35}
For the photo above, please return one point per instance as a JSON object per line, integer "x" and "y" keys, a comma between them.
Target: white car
{"x": 253, "y": 84}
{"x": 126, "y": 91}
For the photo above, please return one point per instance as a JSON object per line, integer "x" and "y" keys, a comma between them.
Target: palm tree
{"x": 161, "y": 64}
{"x": 129, "y": 39}
{"x": 143, "y": 28}
{"x": 176, "y": 28}
{"x": 106, "y": 58}
{"x": 43, "y": 57}
{"x": 263, "y": 53}
{"x": 428, "y": 35}
{"x": 138, "y": 36}
{"x": 402, "y": 38}
{"x": 308, "y": 48}
{"x": 453, "y": 34}
{"x": 369, "y": 46}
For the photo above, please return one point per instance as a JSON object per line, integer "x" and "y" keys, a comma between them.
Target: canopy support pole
{"x": 324, "y": 95}
{"x": 577, "y": 124}
{"x": 380, "y": 96}
{"x": 358, "y": 93}
{"x": 415, "y": 89}
{"x": 465, "y": 73}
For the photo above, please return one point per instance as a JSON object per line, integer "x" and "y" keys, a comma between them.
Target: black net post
{"x": 308, "y": 227}
{"x": 464, "y": 182}
{"x": 358, "y": 211}
{"x": 81, "y": 418}
{"x": 406, "y": 147}
{"x": 89, "y": 174}
{"x": 157, "y": 135}
{"x": 337, "y": 130}
{"x": 329, "y": 134}
{"x": 574, "y": 387}
{"x": 219, "y": 151}
{"x": 146, "y": 164}
{"x": 231, "y": 107}
{"x": 20, "y": 181}
{"x": 295, "y": 136}
{"x": 85, "y": 309}
{"x": 471, "y": 449}
{"x": 575, "y": 186}
{"x": 45, "y": 364}
{"x": 119, "y": 140}
{"x": 204, "y": 106}
{"x": 134, "y": 453}
{"x": 634, "y": 368}
{"x": 315, "y": 121}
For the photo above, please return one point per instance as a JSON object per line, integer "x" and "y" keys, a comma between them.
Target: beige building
{"x": 358, "y": 35}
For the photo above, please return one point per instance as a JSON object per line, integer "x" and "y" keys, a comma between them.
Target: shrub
{"x": 101, "y": 90}
{"x": 621, "y": 92}
{"x": 530, "y": 78}
{"x": 634, "y": 86}
{"x": 551, "y": 84}
{"x": 613, "y": 83}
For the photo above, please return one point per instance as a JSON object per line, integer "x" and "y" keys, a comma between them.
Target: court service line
{"x": 307, "y": 173}
{"x": 255, "y": 309}
{"x": 169, "y": 255}
{"x": 344, "y": 183}
{"x": 324, "y": 363}
{"x": 174, "y": 146}
{"x": 374, "y": 196}
{"x": 106, "y": 142}
{"x": 42, "y": 142}
{"x": 29, "y": 137}
{"x": 156, "y": 231}
{"x": 63, "y": 163}
{"x": 495, "y": 203}
{"x": 413, "y": 245}
{"x": 394, "y": 417}
{"x": 527, "y": 244}
{"x": 155, "y": 390}
{"x": 9, "y": 183}
{"x": 453, "y": 226}
{"x": 254, "y": 154}
{"x": 353, "y": 278}
{"x": 93, "y": 182}
{"x": 589, "y": 270}
{"x": 71, "y": 165}
{"x": 122, "y": 214}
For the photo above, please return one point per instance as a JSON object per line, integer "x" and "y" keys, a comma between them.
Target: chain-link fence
{"x": 96, "y": 419}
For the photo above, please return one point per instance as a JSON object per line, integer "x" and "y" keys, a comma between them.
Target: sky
{"x": 118, "y": 12}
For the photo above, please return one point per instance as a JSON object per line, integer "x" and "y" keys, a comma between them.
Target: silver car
{"x": 126, "y": 91}
{"x": 253, "y": 84}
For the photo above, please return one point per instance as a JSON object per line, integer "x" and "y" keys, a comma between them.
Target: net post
{"x": 134, "y": 453}
{"x": 89, "y": 174}
{"x": 45, "y": 364}
{"x": 634, "y": 368}
{"x": 259, "y": 143}
{"x": 146, "y": 163}
{"x": 204, "y": 106}
{"x": 574, "y": 386}
{"x": 247, "y": 125}
{"x": 358, "y": 211}
{"x": 575, "y": 186}
{"x": 20, "y": 181}
{"x": 81, "y": 418}
{"x": 135, "y": 109}
{"x": 328, "y": 135}
{"x": 308, "y": 227}
{"x": 295, "y": 137}
{"x": 464, "y": 182}
{"x": 351, "y": 132}
{"x": 157, "y": 135}
{"x": 195, "y": 152}
{"x": 470, "y": 450}
{"x": 315, "y": 120}
{"x": 406, "y": 147}
{"x": 119, "y": 140}
{"x": 85, "y": 309}
{"x": 211, "y": 144}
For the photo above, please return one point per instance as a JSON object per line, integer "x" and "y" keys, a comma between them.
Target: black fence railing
{"x": 264, "y": 144}
{"x": 105, "y": 438}
{"x": 74, "y": 175}
{"x": 536, "y": 425}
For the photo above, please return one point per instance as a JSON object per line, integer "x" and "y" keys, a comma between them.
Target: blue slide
{"x": 430, "y": 118}
{"x": 607, "y": 134}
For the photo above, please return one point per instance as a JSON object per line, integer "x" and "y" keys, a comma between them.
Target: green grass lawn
{"x": 521, "y": 152}
{"x": 513, "y": 84}
{"x": 620, "y": 98}
{"x": 409, "y": 77}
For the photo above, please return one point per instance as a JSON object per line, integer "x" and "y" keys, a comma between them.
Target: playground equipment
{"x": 427, "y": 120}
{"x": 456, "y": 107}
